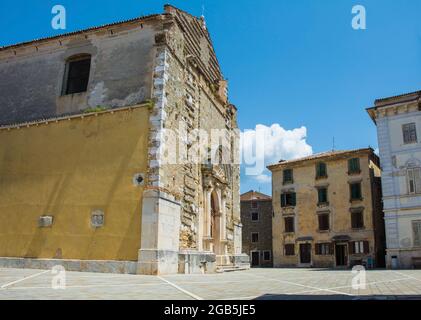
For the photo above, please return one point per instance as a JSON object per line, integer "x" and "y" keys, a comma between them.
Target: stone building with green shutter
{"x": 327, "y": 211}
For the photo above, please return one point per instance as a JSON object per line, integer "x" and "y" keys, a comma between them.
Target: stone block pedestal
{"x": 160, "y": 234}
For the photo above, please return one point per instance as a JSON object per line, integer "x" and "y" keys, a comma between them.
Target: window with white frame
{"x": 409, "y": 133}
{"x": 359, "y": 247}
{"x": 414, "y": 180}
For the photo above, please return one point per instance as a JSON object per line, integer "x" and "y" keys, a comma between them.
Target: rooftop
{"x": 77, "y": 32}
{"x": 254, "y": 195}
{"x": 322, "y": 156}
{"x": 394, "y": 100}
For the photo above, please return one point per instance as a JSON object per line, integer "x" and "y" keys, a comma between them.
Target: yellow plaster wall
{"x": 67, "y": 169}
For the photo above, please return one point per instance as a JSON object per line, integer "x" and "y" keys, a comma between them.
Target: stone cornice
{"x": 404, "y": 104}
{"x": 69, "y": 117}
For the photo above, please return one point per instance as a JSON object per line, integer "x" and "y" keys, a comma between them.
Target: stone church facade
{"x": 84, "y": 129}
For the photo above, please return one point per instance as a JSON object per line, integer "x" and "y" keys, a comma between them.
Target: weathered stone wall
{"x": 263, "y": 226}
{"x": 32, "y": 76}
{"x": 190, "y": 102}
{"x": 307, "y": 209}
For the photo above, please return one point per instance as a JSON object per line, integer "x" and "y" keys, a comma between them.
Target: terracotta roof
{"x": 254, "y": 195}
{"x": 137, "y": 19}
{"x": 414, "y": 95}
{"x": 322, "y": 155}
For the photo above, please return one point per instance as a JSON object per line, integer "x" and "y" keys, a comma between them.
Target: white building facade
{"x": 398, "y": 121}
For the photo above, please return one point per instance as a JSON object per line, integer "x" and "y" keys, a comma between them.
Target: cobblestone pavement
{"x": 268, "y": 284}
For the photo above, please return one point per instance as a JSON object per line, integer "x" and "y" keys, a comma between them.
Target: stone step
{"x": 224, "y": 269}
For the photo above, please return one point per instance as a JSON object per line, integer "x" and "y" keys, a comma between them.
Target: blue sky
{"x": 293, "y": 63}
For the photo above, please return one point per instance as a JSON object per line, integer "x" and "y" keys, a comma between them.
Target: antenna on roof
{"x": 333, "y": 144}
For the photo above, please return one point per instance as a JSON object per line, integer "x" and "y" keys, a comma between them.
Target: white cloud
{"x": 273, "y": 144}
{"x": 263, "y": 178}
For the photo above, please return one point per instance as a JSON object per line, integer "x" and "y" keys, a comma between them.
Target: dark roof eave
{"x": 316, "y": 157}
{"x": 380, "y": 102}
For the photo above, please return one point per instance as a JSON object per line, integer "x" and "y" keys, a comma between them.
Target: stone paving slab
{"x": 260, "y": 284}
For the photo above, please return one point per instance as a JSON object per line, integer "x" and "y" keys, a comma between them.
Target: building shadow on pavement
{"x": 336, "y": 297}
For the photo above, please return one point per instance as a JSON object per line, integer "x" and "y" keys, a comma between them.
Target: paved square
{"x": 267, "y": 284}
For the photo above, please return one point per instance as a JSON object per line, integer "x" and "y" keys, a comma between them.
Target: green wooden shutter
{"x": 321, "y": 170}
{"x": 354, "y": 165}
{"x": 283, "y": 201}
{"x": 294, "y": 199}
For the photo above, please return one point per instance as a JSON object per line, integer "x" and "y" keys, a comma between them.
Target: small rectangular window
{"x": 416, "y": 227}
{"x": 357, "y": 220}
{"x": 354, "y": 166}
{"x": 321, "y": 170}
{"x": 324, "y": 249}
{"x": 290, "y": 250}
{"x": 288, "y": 199}
{"x": 77, "y": 75}
{"x": 266, "y": 255}
{"x": 322, "y": 193}
{"x": 289, "y": 225}
{"x": 254, "y": 216}
{"x": 288, "y": 176}
{"x": 359, "y": 247}
{"x": 355, "y": 190}
{"x": 414, "y": 180}
{"x": 255, "y": 237}
{"x": 409, "y": 133}
{"x": 324, "y": 223}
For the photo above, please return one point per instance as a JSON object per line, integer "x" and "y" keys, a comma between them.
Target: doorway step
{"x": 224, "y": 269}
